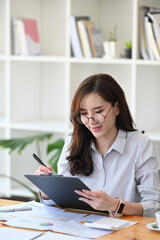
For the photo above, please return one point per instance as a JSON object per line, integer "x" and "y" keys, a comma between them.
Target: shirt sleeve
{"x": 48, "y": 202}
{"x": 148, "y": 179}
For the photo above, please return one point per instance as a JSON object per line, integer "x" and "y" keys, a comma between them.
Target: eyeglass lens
{"x": 97, "y": 117}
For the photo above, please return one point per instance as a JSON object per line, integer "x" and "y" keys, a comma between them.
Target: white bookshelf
{"x": 36, "y": 92}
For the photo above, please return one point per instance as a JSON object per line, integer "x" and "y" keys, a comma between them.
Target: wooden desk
{"x": 138, "y": 231}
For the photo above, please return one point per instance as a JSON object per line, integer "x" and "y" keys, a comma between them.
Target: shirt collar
{"x": 119, "y": 143}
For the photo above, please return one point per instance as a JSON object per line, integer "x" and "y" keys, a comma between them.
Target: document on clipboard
{"x": 61, "y": 189}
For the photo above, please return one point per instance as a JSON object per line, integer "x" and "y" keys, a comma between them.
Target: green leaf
{"x": 128, "y": 44}
{"x": 20, "y": 143}
{"x": 25, "y": 144}
{"x": 56, "y": 145}
{"x": 54, "y": 160}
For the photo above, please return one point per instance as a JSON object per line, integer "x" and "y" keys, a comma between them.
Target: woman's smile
{"x": 95, "y": 128}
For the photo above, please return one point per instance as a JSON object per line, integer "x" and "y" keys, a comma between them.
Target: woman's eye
{"x": 83, "y": 113}
{"x": 100, "y": 111}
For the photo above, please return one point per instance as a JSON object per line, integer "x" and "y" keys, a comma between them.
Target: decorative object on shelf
{"x": 113, "y": 34}
{"x": 26, "y": 40}
{"x": 128, "y": 49}
{"x": 149, "y": 33}
{"x": 111, "y": 47}
{"x": 21, "y": 143}
{"x": 96, "y": 40}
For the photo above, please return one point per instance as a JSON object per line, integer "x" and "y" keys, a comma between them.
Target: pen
{"x": 38, "y": 160}
{"x": 15, "y": 209}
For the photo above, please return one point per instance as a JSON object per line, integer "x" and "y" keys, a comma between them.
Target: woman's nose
{"x": 91, "y": 120}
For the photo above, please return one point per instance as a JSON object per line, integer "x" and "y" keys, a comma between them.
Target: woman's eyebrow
{"x": 83, "y": 109}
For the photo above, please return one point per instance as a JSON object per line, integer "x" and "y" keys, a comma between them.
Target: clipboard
{"x": 61, "y": 189}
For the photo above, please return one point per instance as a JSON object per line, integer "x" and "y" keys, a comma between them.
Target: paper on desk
{"x": 42, "y": 219}
{"x": 76, "y": 227}
{"x": 58, "y": 236}
{"x": 35, "y": 206}
{"x": 15, "y": 234}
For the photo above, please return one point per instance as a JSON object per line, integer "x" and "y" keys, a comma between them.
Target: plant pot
{"x": 111, "y": 49}
{"x": 128, "y": 53}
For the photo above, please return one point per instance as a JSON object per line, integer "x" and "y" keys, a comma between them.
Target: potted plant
{"x": 111, "y": 46}
{"x": 128, "y": 49}
{"x": 19, "y": 144}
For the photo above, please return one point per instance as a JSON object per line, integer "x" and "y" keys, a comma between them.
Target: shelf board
{"x": 147, "y": 62}
{"x": 42, "y": 58}
{"x": 101, "y": 60}
{"x": 43, "y": 126}
{"x": 63, "y": 59}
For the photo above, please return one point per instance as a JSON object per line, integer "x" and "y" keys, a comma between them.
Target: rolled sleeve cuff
{"x": 149, "y": 208}
{"x": 47, "y": 202}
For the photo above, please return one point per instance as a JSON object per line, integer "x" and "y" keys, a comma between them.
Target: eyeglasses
{"x": 97, "y": 117}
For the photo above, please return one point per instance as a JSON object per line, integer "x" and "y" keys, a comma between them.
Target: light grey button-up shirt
{"x": 129, "y": 170}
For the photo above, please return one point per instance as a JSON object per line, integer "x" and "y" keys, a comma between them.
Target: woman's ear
{"x": 117, "y": 108}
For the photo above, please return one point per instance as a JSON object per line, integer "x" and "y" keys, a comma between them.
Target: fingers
{"x": 44, "y": 170}
{"x": 97, "y": 200}
{"x": 88, "y": 194}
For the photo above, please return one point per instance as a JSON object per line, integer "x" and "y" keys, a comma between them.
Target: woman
{"x": 107, "y": 153}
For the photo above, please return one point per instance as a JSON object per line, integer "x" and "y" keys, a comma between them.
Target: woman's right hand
{"x": 44, "y": 170}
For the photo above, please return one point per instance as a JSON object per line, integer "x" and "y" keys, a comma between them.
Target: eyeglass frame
{"x": 81, "y": 122}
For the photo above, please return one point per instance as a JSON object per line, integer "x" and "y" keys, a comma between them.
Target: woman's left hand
{"x": 99, "y": 200}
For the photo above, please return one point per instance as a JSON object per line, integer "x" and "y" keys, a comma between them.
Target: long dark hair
{"x": 79, "y": 160}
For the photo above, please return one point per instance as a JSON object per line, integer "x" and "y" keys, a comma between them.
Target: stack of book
{"x": 150, "y": 33}
{"x": 26, "y": 40}
{"x": 86, "y": 38}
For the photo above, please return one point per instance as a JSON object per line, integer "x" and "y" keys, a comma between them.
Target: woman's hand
{"x": 98, "y": 200}
{"x": 43, "y": 170}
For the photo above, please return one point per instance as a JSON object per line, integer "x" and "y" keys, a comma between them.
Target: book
{"x": 25, "y": 37}
{"x": 15, "y": 36}
{"x": 74, "y": 35}
{"x": 153, "y": 42}
{"x": 96, "y": 40}
{"x": 84, "y": 39}
{"x": 143, "y": 47}
{"x": 22, "y": 41}
{"x": 32, "y": 36}
{"x": 156, "y": 29}
{"x": 147, "y": 37}
{"x": 150, "y": 33}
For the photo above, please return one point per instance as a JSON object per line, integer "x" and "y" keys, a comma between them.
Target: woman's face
{"x": 93, "y": 104}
